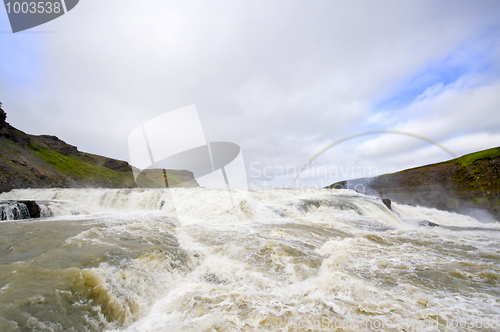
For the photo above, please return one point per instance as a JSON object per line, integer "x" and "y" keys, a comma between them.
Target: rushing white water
{"x": 280, "y": 260}
{"x": 13, "y": 211}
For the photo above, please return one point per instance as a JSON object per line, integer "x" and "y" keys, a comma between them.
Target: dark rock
{"x": 117, "y": 165}
{"x": 13, "y": 134}
{"x": 10, "y": 132}
{"x": 3, "y": 117}
{"x": 16, "y": 210}
{"x": 339, "y": 204}
{"x": 33, "y": 208}
{"x": 387, "y": 203}
{"x": 19, "y": 162}
{"x": 427, "y": 223}
{"x": 54, "y": 143}
{"x": 338, "y": 185}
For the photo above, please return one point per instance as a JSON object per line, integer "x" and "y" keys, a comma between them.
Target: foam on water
{"x": 212, "y": 205}
{"x": 289, "y": 260}
{"x": 13, "y": 211}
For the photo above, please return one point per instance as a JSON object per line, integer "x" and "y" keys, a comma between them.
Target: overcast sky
{"x": 282, "y": 79}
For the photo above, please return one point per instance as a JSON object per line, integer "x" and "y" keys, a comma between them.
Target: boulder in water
{"x": 33, "y": 208}
{"x": 18, "y": 210}
{"x": 427, "y": 223}
{"x": 387, "y": 203}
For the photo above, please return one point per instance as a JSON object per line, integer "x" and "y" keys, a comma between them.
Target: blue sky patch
{"x": 20, "y": 56}
{"x": 442, "y": 73}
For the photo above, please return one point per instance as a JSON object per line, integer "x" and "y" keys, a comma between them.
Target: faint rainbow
{"x": 373, "y": 132}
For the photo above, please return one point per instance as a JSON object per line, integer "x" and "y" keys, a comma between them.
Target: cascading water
{"x": 13, "y": 211}
{"x": 276, "y": 260}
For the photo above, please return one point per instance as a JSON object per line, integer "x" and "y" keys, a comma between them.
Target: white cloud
{"x": 282, "y": 79}
{"x": 473, "y": 142}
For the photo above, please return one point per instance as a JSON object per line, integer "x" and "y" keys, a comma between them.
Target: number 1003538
{"x": 33, "y": 7}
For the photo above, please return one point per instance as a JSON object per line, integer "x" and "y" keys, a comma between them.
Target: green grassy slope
{"x": 28, "y": 161}
{"x": 461, "y": 184}
{"x": 81, "y": 170}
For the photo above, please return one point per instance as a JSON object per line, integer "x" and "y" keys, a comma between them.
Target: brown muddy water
{"x": 280, "y": 260}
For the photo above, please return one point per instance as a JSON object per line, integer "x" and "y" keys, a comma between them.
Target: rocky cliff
{"x": 28, "y": 161}
{"x": 468, "y": 184}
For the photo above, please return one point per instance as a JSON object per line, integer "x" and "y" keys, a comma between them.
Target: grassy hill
{"x": 465, "y": 184}
{"x": 28, "y": 161}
